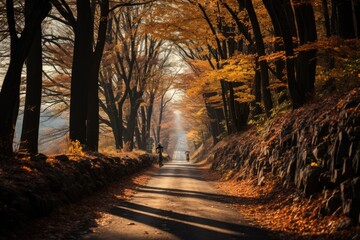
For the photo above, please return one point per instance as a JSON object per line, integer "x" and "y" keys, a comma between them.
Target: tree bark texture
{"x": 280, "y": 16}
{"x": 306, "y": 61}
{"x": 30, "y": 126}
{"x": 260, "y": 48}
{"x": 216, "y": 117}
{"x": 81, "y": 71}
{"x": 92, "y": 123}
{"x": 20, "y": 47}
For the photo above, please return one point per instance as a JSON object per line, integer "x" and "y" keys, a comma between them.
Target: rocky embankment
{"x": 315, "y": 149}
{"x": 32, "y": 187}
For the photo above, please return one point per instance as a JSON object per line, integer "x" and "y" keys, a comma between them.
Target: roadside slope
{"x": 32, "y": 187}
{"x": 301, "y": 169}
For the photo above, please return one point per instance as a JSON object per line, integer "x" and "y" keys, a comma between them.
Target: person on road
{"x": 187, "y": 155}
{"x": 159, "y": 150}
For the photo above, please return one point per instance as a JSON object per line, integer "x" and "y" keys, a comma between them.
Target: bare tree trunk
{"x": 158, "y": 130}
{"x": 326, "y": 17}
{"x": 257, "y": 92}
{"x": 224, "y": 91}
{"x": 344, "y": 15}
{"x": 81, "y": 71}
{"x": 143, "y": 128}
{"x": 260, "y": 48}
{"x": 30, "y": 126}
{"x": 92, "y": 127}
{"x": 216, "y": 117}
{"x": 277, "y": 9}
{"x": 20, "y": 47}
{"x": 306, "y": 61}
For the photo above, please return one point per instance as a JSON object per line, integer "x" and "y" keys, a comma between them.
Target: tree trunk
{"x": 92, "y": 124}
{"x": 224, "y": 90}
{"x": 344, "y": 19}
{"x": 143, "y": 128}
{"x": 277, "y": 9}
{"x": 81, "y": 74}
{"x": 121, "y": 136}
{"x": 289, "y": 17}
{"x": 326, "y": 17}
{"x": 132, "y": 121}
{"x": 110, "y": 107}
{"x": 216, "y": 117}
{"x": 30, "y": 126}
{"x": 149, "y": 111}
{"x": 355, "y": 10}
{"x": 279, "y": 63}
{"x": 306, "y": 61}
{"x": 257, "y": 92}
{"x": 239, "y": 111}
{"x": 20, "y": 47}
{"x": 92, "y": 118}
{"x": 233, "y": 123}
{"x": 158, "y": 131}
{"x": 138, "y": 137}
{"x": 9, "y": 104}
{"x": 260, "y": 48}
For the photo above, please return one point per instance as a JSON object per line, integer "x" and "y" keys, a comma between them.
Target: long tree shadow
{"x": 189, "y": 194}
{"x": 181, "y": 176}
{"x": 186, "y": 226}
{"x": 194, "y": 172}
{"x": 207, "y": 196}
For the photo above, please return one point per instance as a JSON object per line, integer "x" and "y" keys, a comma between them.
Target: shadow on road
{"x": 192, "y": 171}
{"x": 189, "y": 194}
{"x": 186, "y": 226}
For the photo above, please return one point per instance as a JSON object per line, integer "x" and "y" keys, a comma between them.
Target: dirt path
{"x": 177, "y": 203}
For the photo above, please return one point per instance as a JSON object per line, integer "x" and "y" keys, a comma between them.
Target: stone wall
{"x": 316, "y": 149}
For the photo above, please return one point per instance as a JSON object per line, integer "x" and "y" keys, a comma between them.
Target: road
{"x": 177, "y": 203}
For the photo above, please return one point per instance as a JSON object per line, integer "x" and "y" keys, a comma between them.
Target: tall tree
{"x": 84, "y": 110}
{"x": 282, "y": 18}
{"x": 306, "y": 60}
{"x": 30, "y": 127}
{"x": 20, "y": 47}
{"x": 260, "y": 48}
{"x": 92, "y": 120}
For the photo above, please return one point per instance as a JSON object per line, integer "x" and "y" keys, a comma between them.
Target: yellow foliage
{"x": 314, "y": 164}
{"x": 240, "y": 68}
{"x": 76, "y": 148}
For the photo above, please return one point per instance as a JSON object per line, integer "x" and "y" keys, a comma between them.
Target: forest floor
{"x": 69, "y": 221}
{"x": 285, "y": 212}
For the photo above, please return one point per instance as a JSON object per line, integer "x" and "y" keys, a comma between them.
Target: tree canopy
{"x": 120, "y": 69}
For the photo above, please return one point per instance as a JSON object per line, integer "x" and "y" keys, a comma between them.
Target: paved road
{"x": 177, "y": 203}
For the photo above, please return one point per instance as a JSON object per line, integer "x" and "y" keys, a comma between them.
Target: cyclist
{"x": 187, "y": 155}
{"x": 159, "y": 150}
